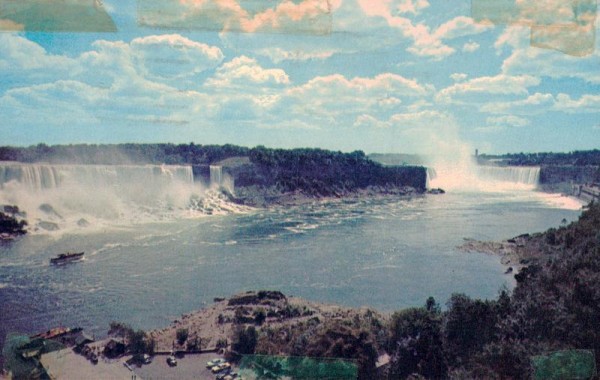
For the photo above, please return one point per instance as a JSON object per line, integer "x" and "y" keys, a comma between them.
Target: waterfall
{"x": 430, "y": 175}
{"x": 66, "y": 194}
{"x": 216, "y": 176}
{"x": 38, "y": 177}
{"x": 526, "y": 175}
{"x": 467, "y": 175}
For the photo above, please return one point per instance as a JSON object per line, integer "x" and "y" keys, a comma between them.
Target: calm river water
{"x": 387, "y": 254}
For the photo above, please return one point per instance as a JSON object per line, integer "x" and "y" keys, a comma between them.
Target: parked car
{"x": 146, "y": 359}
{"x": 220, "y": 367}
{"x": 171, "y": 361}
{"x": 214, "y": 362}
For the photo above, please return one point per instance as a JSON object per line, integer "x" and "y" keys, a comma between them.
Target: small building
{"x": 82, "y": 339}
{"x": 31, "y": 349}
{"x": 114, "y": 349}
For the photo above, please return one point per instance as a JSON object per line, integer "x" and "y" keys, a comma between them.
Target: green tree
{"x": 416, "y": 342}
{"x": 245, "y": 340}
{"x": 182, "y": 335}
{"x": 259, "y": 316}
{"x": 138, "y": 342}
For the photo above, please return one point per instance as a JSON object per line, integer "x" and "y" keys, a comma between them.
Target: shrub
{"x": 245, "y": 340}
{"x": 182, "y": 335}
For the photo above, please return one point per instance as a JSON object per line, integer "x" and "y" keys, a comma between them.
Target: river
{"x": 382, "y": 253}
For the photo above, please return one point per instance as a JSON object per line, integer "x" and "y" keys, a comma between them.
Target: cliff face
{"x": 288, "y": 176}
{"x": 562, "y": 177}
{"x": 568, "y": 173}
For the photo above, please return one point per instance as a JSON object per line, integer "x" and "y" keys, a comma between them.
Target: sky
{"x": 387, "y": 76}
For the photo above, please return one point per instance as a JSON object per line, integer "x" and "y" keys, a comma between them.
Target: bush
{"x": 139, "y": 343}
{"x": 259, "y": 316}
{"x": 245, "y": 340}
{"x": 416, "y": 342}
{"x": 182, "y": 335}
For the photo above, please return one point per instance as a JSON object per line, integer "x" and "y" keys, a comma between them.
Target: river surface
{"x": 387, "y": 254}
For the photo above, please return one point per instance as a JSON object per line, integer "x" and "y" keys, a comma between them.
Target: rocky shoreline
{"x": 265, "y": 197}
{"x": 214, "y": 327}
{"x": 518, "y": 252}
{"x": 508, "y": 251}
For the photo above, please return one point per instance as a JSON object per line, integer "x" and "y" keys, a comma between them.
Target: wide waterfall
{"x": 526, "y": 175}
{"x": 466, "y": 175}
{"x": 38, "y": 177}
{"x": 58, "y": 196}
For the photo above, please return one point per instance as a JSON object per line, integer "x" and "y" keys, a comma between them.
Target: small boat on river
{"x": 68, "y": 257}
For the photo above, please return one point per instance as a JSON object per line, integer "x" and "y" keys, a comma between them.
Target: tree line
{"x": 575, "y": 158}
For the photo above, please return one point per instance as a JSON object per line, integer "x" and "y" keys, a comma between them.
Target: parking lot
{"x": 188, "y": 367}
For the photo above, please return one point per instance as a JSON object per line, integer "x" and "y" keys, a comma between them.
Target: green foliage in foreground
{"x": 555, "y": 307}
{"x": 138, "y": 342}
{"x": 276, "y": 367}
{"x": 572, "y": 364}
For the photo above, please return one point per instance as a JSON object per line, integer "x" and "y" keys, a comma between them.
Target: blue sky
{"x": 406, "y": 76}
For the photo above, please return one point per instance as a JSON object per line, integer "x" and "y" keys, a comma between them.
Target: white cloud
{"x": 368, "y": 121}
{"x": 514, "y": 36}
{"x": 460, "y": 26}
{"x": 527, "y": 60}
{"x": 424, "y": 41}
{"x": 278, "y": 55}
{"x": 499, "y": 84}
{"x": 531, "y": 105}
{"x": 337, "y": 95}
{"x": 411, "y": 6}
{"x": 457, "y": 77}
{"x": 563, "y": 25}
{"x": 586, "y": 103}
{"x": 507, "y": 121}
{"x": 243, "y": 71}
{"x": 172, "y": 55}
{"x": 540, "y": 102}
{"x": 22, "y": 57}
{"x": 305, "y": 16}
{"x": 470, "y": 47}
{"x": 553, "y": 64}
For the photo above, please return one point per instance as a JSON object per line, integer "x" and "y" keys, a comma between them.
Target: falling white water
{"x": 216, "y": 176}
{"x": 465, "y": 175}
{"x": 526, "y": 175}
{"x": 59, "y": 197}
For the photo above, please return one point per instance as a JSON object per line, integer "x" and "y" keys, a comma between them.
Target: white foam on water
{"x": 561, "y": 201}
